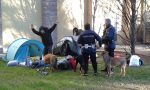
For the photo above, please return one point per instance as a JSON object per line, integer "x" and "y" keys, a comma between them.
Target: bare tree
{"x": 129, "y": 9}
{"x": 94, "y": 12}
{"x": 129, "y": 12}
{"x": 132, "y": 26}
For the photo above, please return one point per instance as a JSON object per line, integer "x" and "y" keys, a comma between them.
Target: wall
{"x": 1, "y": 38}
{"x": 70, "y": 15}
{"x": 49, "y": 16}
{"x": 17, "y": 17}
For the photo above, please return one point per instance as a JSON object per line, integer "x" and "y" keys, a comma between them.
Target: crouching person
{"x": 87, "y": 42}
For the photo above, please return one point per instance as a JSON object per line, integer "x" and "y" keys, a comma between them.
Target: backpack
{"x": 72, "y": 63}
{"x": 63, "y": 65}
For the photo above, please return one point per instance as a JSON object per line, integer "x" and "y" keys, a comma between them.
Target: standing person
{"x": 109, "y": 38}
{"x": 79, "y": 57}
{"x": 77, "y": 31}
{"x": 87, "y": 41}
{"x": 45, "y": 34}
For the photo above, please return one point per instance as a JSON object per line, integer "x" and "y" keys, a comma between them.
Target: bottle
{"x": 44, "y": 73}
{"x": 28, "y": 61}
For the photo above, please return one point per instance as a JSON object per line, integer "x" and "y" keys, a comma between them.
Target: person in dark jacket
{"x": 45, "y": 34}
{"x": 77, "y": 31}
{"x": 88, "y": 44}
{"x": 109, "y": 38}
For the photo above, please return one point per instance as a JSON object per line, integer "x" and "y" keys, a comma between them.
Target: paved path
{"x": 2, "y": 55}
{"x": 140, "y": 49}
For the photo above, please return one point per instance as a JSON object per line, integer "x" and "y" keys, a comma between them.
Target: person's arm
{"x": 98, "y": 38}
{"x": 80, "y": 39}
{"x": 73, "y": 32}
{"x": 34, "y": 31}
{"x": 111, "y": 33}
{"x": 52, "y": 28}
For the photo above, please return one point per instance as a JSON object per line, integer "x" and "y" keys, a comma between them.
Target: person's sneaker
{"x": 44, "y": 73}
{"x": 111, "y": 73}
{"x": 95, "y": 74}
{"x": 103, "y": 70}
{"x": 106, "y": 75}
{"x": 85, "y": 74}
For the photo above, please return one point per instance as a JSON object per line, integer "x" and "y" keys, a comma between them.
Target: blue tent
{"x": 23, "y": 48}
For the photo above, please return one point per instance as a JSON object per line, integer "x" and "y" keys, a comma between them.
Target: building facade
{"x": 16, "y": 17}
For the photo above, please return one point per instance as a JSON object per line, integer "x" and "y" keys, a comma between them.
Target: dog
{"x": 51, "y": 61}
{"x": 74, "y": 61}
{"x": 79, "y": 60}
{"x": 111, "y": 64}
{"x": 107, "y": 62}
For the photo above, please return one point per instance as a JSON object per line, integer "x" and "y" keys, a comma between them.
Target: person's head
{"x": 107, "y": 22}
{"x": 42, "y": 29}
{"x": 75, "y": 30}
{"x": 87, "y": 26}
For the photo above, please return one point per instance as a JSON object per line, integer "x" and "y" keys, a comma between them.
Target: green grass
{"x": 20, "y": 78}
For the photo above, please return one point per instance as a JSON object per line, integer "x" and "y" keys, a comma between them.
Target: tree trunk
{"x": 94, "y": 14}
{"x": 88, "y": 11}
{"x": 132, "y": 26}
{"x": 1, "y": 38}
{"x": 126, "y": 10}
{"x": 49, "y": 15}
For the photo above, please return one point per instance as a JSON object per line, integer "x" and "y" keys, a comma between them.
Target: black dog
{"x": 79, "y": 60}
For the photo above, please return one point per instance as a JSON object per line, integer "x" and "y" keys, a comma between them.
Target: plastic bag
{"x": 134, "y": 60}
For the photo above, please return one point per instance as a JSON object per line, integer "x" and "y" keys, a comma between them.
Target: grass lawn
{"x": 19, "y": 78}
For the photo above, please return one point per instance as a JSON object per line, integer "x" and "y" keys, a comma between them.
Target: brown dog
{"x": 111, "y": 64}
{"x": 108, "y": 63}
{"x": 123, "y": 65}
{"x": 51, "y": 60}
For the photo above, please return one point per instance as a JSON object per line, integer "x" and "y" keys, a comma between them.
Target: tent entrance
{"x": 28, "y": 51}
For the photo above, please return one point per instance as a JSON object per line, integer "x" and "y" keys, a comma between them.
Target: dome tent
{"x": 23, "y": 48}
{"x": 67, "y": 46}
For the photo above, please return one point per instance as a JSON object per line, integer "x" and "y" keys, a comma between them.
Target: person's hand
{"x": 97, "y": 47}
{"x": 32, "y": 26}
{"x": 100, "y": 44}
{"x": 57, "y": 22}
